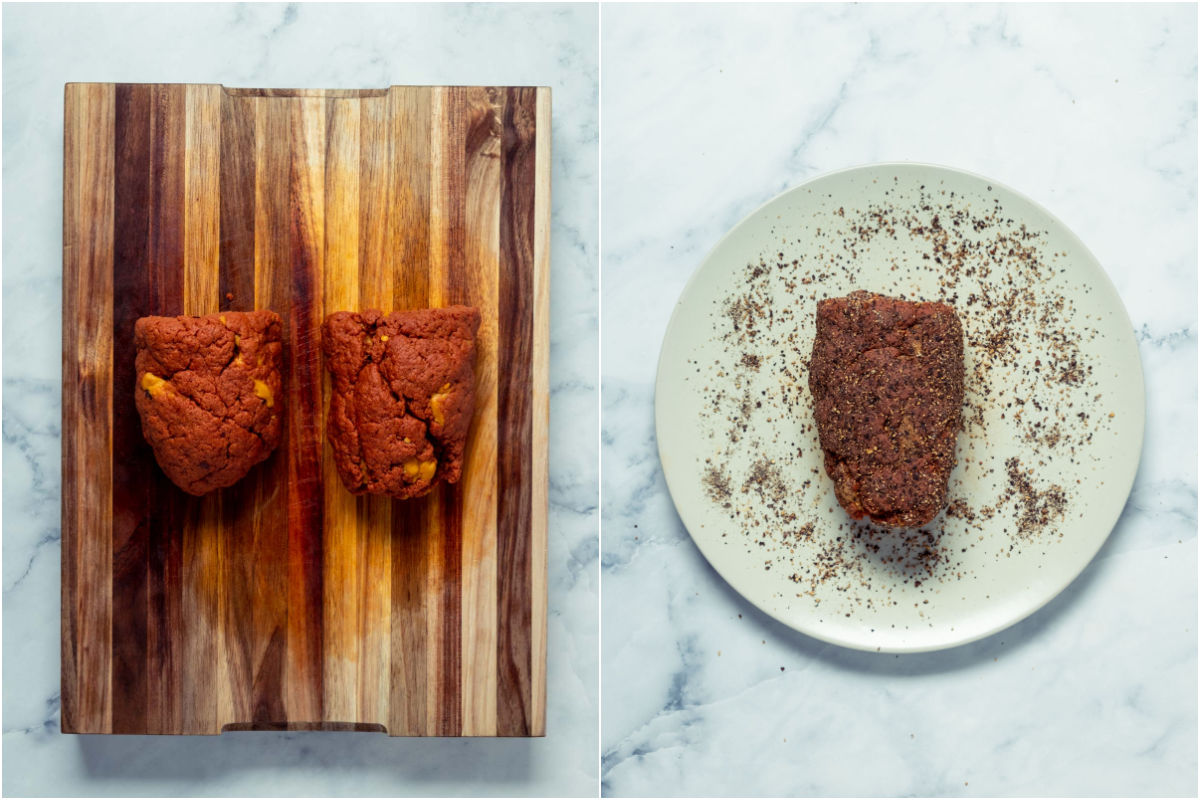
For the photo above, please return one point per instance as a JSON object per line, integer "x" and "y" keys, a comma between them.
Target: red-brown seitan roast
{"x": 208, "y": 394}
{"x": 886, "y": 377}
{"x": 403, "y": 395}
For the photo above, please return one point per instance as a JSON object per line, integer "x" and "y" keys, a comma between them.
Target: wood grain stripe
{"x": 238, "y": 171}
{"x": 515, "y": 455}
{"x": 87, "y": 519}
{"x": 343, "y": 592}
{"x": 305, "y": 673}
{"x": 132, "y": 463}
{"x": 199, "y": 680}
{"x": 272, "y": 513}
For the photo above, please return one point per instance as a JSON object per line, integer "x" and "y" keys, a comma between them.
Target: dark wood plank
{"x": 237, "y": 203}
{"x": 305, "y": 508}
{"x": 515, "y": 424}
{"x": 132, "y": 461}
{"x": 166, "y": 198}
{"x": 168, "y": 508}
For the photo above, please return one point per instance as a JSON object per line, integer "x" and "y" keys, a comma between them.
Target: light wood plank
{"x": 441, "y": 261}
{"x": 376, "y": 281}
{"x": 541, "y": 405}
{"x": 411, "y": 666}
{"x": 485, "y": 113}
{"x": 89, "y": 158}
{"x": 202, "y": 215}
{"x": 343, "y": 590}
{"x": 201, "y": 286}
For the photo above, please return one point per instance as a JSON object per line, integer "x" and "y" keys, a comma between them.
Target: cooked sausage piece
{"x": 403, "y": 395}
{"x": 208, "y": 394}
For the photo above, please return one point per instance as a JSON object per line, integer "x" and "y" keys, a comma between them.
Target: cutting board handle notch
{"x": 238, "y": 91}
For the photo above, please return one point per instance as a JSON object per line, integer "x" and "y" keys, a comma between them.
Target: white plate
{"x": 739, "y": 448}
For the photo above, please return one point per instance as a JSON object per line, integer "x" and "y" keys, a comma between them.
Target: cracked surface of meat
{"x": 886, "y": 377}
{"x": 403, "y": 395}
{"x": 208, "y": 394}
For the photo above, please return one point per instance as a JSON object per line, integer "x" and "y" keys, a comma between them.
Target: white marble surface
{"x": 708, "y": 112}
{"x": 289, "y": 46}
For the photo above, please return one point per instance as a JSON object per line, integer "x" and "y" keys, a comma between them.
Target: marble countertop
{"x": 710, "y": 111}
{"x": 316, "y": 46}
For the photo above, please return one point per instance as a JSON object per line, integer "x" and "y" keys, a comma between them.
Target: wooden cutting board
{"x": 285, "y": 601}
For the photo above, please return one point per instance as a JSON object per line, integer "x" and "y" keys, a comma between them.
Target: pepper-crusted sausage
{"x": 886, "y": 376}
